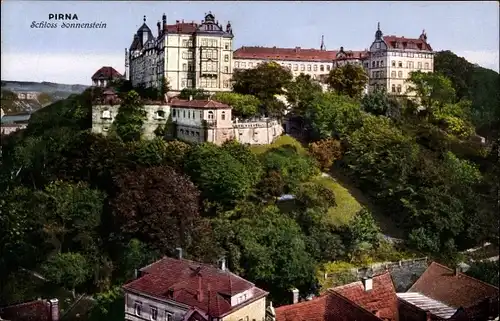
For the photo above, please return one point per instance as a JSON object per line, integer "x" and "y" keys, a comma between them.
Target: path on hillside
{"x": 387, "y": 226}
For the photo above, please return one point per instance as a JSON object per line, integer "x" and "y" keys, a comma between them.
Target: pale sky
{"x": 71, "y": 56}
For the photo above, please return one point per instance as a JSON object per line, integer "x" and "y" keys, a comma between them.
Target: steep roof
{"x": 440, "y": 283}
{"x": 380, "y": 300}
{"x": 406, "y": 43}
{"x": 331, "y": 306}
{"x": 182, "y": 28}
{"x": 298, "y": 54}
{"x": 194, "y": 284}
{"x": 30, "y": 311}
{"x": 106, "y": 72}
{"x": 198, "y": 104}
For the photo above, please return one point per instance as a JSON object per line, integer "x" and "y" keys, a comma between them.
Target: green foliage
{"x": 362, "y": 232}
{"x": 293, "y": 167}
{"x": 485, "y": 271}
{"x": 243, "y": 105}
{"x": 315, "y": 195}
{"x": 193, "y": 93}
{"x": 108, "y": 306}
{"x": 66, "y": 269}
{"x": 433, "y": 89}
{"x": 130, "y": 118}
{"x": 330, "y": 114}
{"x": 326, "y": 151}
{"x": 378, "y": 103}
{"x": 301, "y": 91}
{"x": 349, "y": 80}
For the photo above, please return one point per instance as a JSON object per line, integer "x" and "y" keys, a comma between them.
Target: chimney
{"x": 179, "y": 253}
{"x": 135, "y": 273}
{"x": 223, "y": 264}
{"x": 367, "y": 283}
{"x": 199, "y": 293}
{"x": 190, "y": 97}
{"x": 159, "y": 30}
{"x": 54, "y": 310}
{"x": 295, "y": 296}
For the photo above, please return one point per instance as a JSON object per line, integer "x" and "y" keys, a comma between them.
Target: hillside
{"x": 474, "y": 83}
{"x": 46, "y": 87}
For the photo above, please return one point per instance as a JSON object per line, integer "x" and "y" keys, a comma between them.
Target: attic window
{"x": 106, "y": 114}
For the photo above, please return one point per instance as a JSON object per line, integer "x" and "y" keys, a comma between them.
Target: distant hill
{"x": 46, "y": 87}
{"x": 474, "y": 83}
{"x": 50, "y": 93}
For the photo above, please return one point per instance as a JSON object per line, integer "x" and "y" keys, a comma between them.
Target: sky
{"x": 71, "y": 56}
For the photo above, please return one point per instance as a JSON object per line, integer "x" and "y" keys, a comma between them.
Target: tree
{"x": 130, "y": 118}
{"x": 348, "y": 80}
{"x": 315, "y": 195}
{"x": 376, "y": 103}
{"x": 332, "y": 115}
{"x": 108, "y": 306}
{"x": 151, "y": 201}
{"x": 221, "y": 177}
{"x": 66, "y": 269}
{"x": 176, "y": 151}
{"x": 301, "y": 91}
{"x": 264, "y": 81}
{"x": 485, "y": 271}
{"x": 432, "y": 89}
{"x": 242, "y": 105}
{"x": 326, "y": 151}
{"x": 271, "y": 185}
{"x": 164, "y": 88}
{"x": 198, "y": 93}
{"x": 246, "y": 157}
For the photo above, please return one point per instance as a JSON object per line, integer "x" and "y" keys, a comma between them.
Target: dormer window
{"x": 106, "y": 114}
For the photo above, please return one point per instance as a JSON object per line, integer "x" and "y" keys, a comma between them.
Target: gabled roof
{"x": 331, "y": 306}
{"x": 380, "y": 300}
{"x": 274, "y": 53}
{"x": 196, "y": 285}
{"x": 199, "y": 104}
{"x": 107, "y": 73}
{"x": 440, "y": 283}
{"x": 406, "y": 43}
{"x": 182, "y": 28}
{"x": 30, "y": 311}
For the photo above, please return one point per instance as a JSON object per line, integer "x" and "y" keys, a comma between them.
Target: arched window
{"x": 426, "y": 65}
{"x": 393, "y": 74}
{"x": 182, "y": 131}
{"x": 210, "y": 115}
{"x": 393, "y": 88}
{"x": 400, "y": 74}
{"x": 399, "y": 88}
{"x": 223, "y": 115}
{"x": 321, "y": 68}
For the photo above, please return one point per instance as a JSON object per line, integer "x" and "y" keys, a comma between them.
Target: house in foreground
{"x": 38, "y": 310}
{"x": 194, "y": 121}
{"x": 439, "y": 294}
{"x": 175, "y": 289}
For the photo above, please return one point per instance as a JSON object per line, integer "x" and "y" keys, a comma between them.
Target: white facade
{"x": 188, "y": 55}
{"x": 393, "y": 58}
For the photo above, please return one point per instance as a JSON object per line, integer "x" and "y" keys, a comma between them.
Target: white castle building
{"x": 186, "y": 54}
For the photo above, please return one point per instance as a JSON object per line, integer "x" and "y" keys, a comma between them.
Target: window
{"x": 377, "y": 45}
{"x": 226, "y": 58}
{"x": 243, "y": 65}
{"x": 321, "y": 68}
{"x": 250, "y": 64}
{"x": 204, "y": 42}
{"x": 373, "y": 64}
{"x": 290, "y": 66}
{"x": 192, "y": 133}
{"x": 203, "y": 54}
{"x": 419, "y": 65}
{"x": 226, "y": 69}
{"x": 169, "y": 316}
{"x": 374, "y": 74}
{"x": 226, "y": 83}
{"x": 399, "y": 88}
{"x": 295, "y": 67}
{"x": 173, "y": 112}
{"x": 160, "y": 114}
{"x": 426, "y": 65}
{"x": 209, "y": 54}
{"x": 315, "y": 68}
{"x": 308, "y": 67}
{"x": 197, "y": 134}
{"x": 184, "y": 67}
{"x": 393, "y": 74}
{"x": 328, "y": 67}
{"x": 223, "y": 115}
{"x": 182, "y": 131}
{"x": 201, "y": 114}
{"x": 246, "y": 318}
{"x": 138, "y": 308}
{"x": 393, "y": 88}
{"x": 183, "y": 83}
{"x": 190, "y": 66}
{"x": 106, "y": 114}
{"x": 410, "y": 64}
{"x": 381, "y": 63}
{"x": 226, "y": 46}
{"x": 378, "y": 64}
{"x": 236, "y": 64}
{"x": 302, "y": 67}
{"x": 210, "y": 115}
{"x": 394, "y": 63}
{"x": 189, "y": 114}
{"x": 154, "y": 313}
{"x": 184, "y": 43}
{"x": 400, "y": 64}
{"x": 184, "y": 113}
{"x": 400, "y": 74}
{"x": 214, "y": 83}
{"x": 190, "y": 83}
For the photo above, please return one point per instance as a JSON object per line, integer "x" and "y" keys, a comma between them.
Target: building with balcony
{"x": 186, "y": 54}
{"x": 104, "y": 76}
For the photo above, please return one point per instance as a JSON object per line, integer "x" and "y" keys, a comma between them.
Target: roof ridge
{"x": 359, "y": 307}
{"x": 463, "y": 274}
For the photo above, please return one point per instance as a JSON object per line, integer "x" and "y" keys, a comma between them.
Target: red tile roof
{"x": 194, "y": 284}
{"x": 29, "y": 311}
{"x": 406, "y": 43}
{"x": 381, "y": 299}
{"x": 274, "y": 53}
{"x": 440, "y": 283}
{"x": 329, "y": 307}
{"x": 182, "y": 28}
{"x": 106, "y": 73}
{"x": 199, "y": 104}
